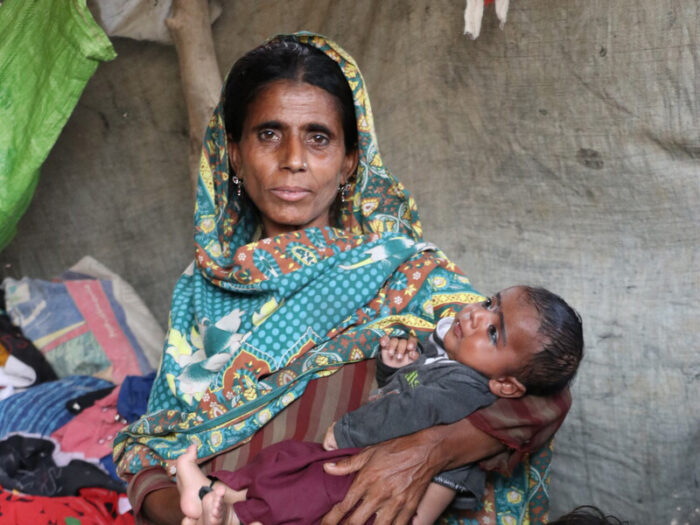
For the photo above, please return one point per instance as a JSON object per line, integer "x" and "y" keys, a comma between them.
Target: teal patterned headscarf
{"x": 253, "y": 321}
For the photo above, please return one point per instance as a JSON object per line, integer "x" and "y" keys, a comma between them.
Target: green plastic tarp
{"x": 48, "y": 51}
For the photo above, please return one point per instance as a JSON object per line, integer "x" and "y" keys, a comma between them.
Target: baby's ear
{"x": 507, "y": 386}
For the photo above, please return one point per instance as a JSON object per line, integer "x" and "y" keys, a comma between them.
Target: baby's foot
{"x": 189, "y": 480}
{"x": 215, "y": 511}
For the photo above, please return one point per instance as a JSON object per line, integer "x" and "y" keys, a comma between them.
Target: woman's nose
{"x": 294, "y": 155}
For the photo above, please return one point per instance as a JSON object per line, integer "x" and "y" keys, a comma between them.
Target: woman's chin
{"x": 274, "y": 228}
{"x": 278, "y": 223}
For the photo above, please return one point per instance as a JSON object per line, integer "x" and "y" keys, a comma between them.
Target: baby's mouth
{"x": 457, "y": 325}
{"x": 457, "y": 328}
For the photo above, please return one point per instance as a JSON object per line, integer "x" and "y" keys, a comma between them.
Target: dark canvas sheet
{"x": 568, "y": 142}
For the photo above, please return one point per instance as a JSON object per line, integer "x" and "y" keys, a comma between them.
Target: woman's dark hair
{"x": 552, "y": 368}
{"x": 285, "y": 58}
{"x": 587, "y": 515}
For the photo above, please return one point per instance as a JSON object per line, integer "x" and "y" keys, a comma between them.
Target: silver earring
{"x": 238, "y": 183}
{"x": 344, "y": 190}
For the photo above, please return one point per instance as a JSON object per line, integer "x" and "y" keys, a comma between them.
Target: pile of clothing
{"x": 77, "y": 359}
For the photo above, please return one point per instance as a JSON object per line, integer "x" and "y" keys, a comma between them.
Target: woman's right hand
{"x": 391, "y": 479}
{"x": 393, "y": 476}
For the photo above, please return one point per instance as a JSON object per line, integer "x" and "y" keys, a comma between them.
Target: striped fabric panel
{"x": 524, "y": 425}
{"x": 306, "y": 419}
{"x": 42, "y": 408}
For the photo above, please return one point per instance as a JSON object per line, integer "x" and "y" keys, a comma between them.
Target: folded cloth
{"x": 80, "y": 403}
{"x": 35, "y": 465}
{"x": 84, "y": 325}
{"x": 93, "y": 430}
{"x": 133, "y": 396}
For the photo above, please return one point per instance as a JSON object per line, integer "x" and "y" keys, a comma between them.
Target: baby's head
{"x": 523, "y": 339}
{"x": 587, "y": 515}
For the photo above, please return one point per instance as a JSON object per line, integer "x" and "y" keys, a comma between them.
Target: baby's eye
{"x": 487, "y": 303}
{"x": 493, "y": 333}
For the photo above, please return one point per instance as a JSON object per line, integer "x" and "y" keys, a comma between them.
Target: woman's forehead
{"x": 293, "y": 98}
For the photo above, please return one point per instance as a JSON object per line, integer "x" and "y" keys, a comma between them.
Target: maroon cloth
{"x": 287, "y": 484}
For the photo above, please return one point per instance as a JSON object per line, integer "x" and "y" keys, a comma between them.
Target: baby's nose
{"x": 465, "y": 314}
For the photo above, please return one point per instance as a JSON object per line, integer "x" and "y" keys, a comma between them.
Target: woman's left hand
{"x": 391, "y": 479}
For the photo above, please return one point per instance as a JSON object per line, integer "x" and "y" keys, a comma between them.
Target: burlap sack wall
{"x": 563, "y": 150}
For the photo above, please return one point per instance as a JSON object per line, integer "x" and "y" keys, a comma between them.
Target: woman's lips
{"x": 290, "y": 193}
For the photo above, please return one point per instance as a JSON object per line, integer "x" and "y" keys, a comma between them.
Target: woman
{"x": 307, "y": 252}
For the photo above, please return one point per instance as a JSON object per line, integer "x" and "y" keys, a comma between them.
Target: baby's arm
{"x": 329, "y": 442}
{"x": 396, "y": 352}
{"x": 433, "y": 503}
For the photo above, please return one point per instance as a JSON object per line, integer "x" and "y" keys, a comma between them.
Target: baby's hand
{"x": 329, "y": 442}
{"x": 398, "y": 352}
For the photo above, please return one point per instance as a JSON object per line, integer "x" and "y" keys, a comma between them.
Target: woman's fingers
{"x": 347, "y": 465}
{"x": 395, "y": 513}
{"x": 406, "y": 514}
{"x": 343, "y": 467}
{"x": 340, "y": 510}
{"x": 390, "y": 482}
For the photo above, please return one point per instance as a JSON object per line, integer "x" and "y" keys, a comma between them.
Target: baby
{"x": 522, "y": 340}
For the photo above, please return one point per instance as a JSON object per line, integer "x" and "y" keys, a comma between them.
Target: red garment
{"x": 280, "y": 479}
{"x": 94, "y": 506}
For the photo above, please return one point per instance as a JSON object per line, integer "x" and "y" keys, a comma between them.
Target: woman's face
{"x": 291, "y": 156}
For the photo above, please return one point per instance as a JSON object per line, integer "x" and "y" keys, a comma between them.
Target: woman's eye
{"x": 493, "y": 334}
{"x": 319, "y": 139}
{"x": 266, "y": 135}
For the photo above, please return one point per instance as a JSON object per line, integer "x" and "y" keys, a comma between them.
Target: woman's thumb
{"x": 346, "y": 465}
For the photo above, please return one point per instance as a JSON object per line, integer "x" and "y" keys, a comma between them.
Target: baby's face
{"x": 495, "y": 337}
